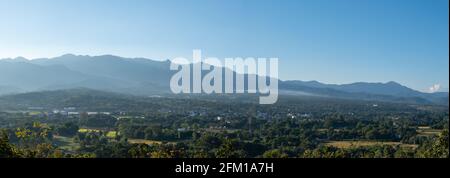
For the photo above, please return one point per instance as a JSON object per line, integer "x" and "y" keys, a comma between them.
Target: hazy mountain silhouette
{"x": 139, "y": 76}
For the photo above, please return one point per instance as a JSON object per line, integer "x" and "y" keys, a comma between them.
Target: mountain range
{"x": 140, "y": 76}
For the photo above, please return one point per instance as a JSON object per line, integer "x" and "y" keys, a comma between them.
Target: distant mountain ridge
{"x": 388, "y": 88}
{"x": 140, "y": 76}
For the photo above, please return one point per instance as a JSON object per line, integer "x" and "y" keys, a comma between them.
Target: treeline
{"x": 33, "y": 144}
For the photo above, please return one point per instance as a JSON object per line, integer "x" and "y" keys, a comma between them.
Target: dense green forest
{"x": 89, "y": 124}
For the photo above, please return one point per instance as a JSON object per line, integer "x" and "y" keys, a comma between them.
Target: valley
{"x": 90, "y": 123}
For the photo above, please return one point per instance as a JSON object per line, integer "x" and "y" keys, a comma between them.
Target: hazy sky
{"x": 332, "y": 41}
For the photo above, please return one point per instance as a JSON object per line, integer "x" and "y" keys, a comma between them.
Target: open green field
{"x": 365, "y": 143}
{"x": 84, "y": 130}
{"x": 65, "y": 143}
{"x": 111, "y": 134}
{"x": 34, "y": 113}
{"x": 427, "y": 131}
{"x": 148, "y": 142}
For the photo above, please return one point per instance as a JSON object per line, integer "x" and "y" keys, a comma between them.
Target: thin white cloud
{"x": 434, "y": 88}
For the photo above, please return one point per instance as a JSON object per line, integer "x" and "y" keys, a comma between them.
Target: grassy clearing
{"x": 111, "y": 134}
{"x": 148, "y": 142}
{"x": 427, "y": 131}
{"x": 84, "y": 130}
{"x": 65, "y": 143}
{"x": 364, "y": 143}
{"x": 34, "y": 113}
{"x": 140, "y": 141}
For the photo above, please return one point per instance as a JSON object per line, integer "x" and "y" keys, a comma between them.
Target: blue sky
{"x": 332, "y": 41}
